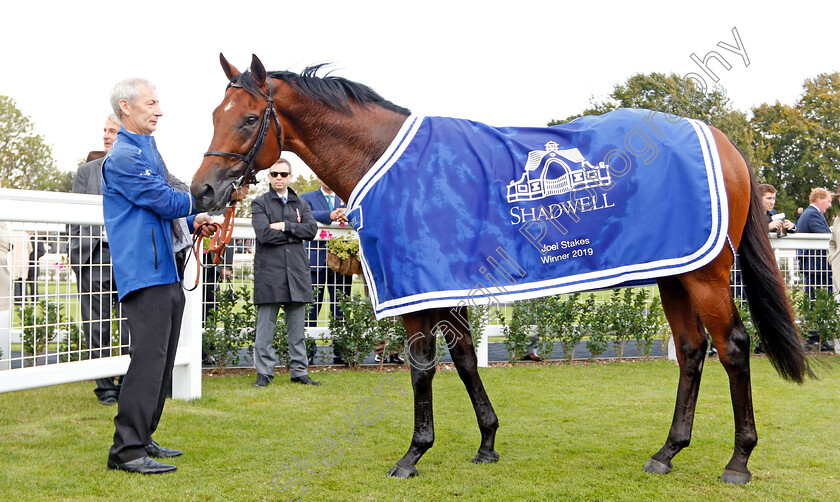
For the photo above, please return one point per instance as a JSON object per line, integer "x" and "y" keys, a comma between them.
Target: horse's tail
{"x": 768, "y": 302}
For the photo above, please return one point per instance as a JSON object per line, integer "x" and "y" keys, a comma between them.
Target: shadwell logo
{"x": 556, "y": 172}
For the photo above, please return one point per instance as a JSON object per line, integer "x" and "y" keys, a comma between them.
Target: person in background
{"x": 812, "y": 220}
{"x": 281, "y": 221}
{"x": 214, "y": 276}
{"x": 21, "y": 245}
{"x": 90, "y": 259}
{"x": 26, "y": 288}
{"x": 5, "y": 297}
{"x": 813, "y": 262}
{"x": 834, "y": 251}
{"x": 768, "y": 202}
{"x": 327, "y": 209}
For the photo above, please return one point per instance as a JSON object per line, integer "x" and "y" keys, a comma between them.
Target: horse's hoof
{"x": 403, "y": 472}
{"x": 486, "y": 458}
{"x": 735, "y": 477}
{"x": 654, "y": 466}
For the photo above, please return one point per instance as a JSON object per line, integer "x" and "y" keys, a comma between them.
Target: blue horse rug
{"x": 460, "y": 213}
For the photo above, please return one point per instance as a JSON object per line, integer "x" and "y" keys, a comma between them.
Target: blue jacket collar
{"x": 135, "y": 138}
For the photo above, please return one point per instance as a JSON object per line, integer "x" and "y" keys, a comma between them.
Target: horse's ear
{"x": 229, "y": 69}
{"x": 257, "y": 70}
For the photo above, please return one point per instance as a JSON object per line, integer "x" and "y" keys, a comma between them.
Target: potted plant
{"x": 343, "y": 255}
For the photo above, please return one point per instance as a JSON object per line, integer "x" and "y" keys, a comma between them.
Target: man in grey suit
{"x": 90, "y": 258}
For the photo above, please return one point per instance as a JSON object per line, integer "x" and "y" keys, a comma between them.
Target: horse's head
{"x": 247, "y": 137}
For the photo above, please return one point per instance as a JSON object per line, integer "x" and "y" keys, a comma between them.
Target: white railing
{"x": 48, "y": 213}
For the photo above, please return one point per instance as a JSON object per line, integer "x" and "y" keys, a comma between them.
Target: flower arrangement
{"x": 343, "y": 255}
{"x": 344, "y": 247}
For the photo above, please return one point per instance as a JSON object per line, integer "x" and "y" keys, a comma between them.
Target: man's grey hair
{"x": 115, "y": 119}
{"x": 129, "y": 90}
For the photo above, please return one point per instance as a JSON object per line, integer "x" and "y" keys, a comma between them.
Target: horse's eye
{"x": 251, "y": 120}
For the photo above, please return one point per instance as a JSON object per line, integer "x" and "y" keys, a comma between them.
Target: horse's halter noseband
{"x": 249, "y": 176}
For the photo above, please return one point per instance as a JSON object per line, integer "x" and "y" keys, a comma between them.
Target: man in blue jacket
{"x": 326, "y": 208}
{"x": 141, "y": 211}
{"x": 813, "y": 263}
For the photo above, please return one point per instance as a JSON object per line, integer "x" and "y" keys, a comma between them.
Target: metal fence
{"x": 43, "y": 337}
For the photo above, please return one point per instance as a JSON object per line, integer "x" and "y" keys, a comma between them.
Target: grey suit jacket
{"x": 85, "y": 240}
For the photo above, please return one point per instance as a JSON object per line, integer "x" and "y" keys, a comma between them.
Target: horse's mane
{"x": 335, "y": 92}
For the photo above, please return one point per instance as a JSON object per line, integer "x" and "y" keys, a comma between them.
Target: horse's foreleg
{"x": 421, "y": 353}
{"x": 691, "y": 352}
{"x": 459, "y": 341}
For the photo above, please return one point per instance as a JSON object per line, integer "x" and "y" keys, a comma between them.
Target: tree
{"x": 679, "y": 96}
{"x": 799, "y": 145}
{"x": 302, "y": 184}
{"x": 25, "y": 159}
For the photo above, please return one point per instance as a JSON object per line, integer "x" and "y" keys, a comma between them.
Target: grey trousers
{"x": 264, "y": 357}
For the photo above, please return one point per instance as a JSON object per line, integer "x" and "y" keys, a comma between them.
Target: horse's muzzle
{"x": 205, "y": 199}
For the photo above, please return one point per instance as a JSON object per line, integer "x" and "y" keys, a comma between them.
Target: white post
{"x": 483, "y": 348}
{"x": 672, "y": 349}
{"x": 186, "y": 375}
{"x": 5, "y": 338}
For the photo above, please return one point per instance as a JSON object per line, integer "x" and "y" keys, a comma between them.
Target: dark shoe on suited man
{"x": 142, "y": 465}
{"x": 305, "y": 380}
{"x": 396, "y": 359}
{"x": 108, "y": 400}
{"x": 532, "y": 357}
{"x": 262, "y": 380}
{"x": 157, "y": 451}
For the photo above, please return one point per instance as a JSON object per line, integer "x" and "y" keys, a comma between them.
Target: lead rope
{"x": 218, "y": 243}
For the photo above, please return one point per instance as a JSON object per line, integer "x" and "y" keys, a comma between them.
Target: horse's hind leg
{"x": 459, "y": 340}
{"x": 719, "y": 315}
{"x": 421, "y": 355}
{"x": 691, "y": 347}
{"x": 711, "y": 296}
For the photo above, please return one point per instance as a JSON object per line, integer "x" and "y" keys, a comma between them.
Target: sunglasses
{"x": 282, "y": 175}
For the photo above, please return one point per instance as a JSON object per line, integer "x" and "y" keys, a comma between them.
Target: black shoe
{"x": 377, "y": 358}
{"x": 262, "y": 380}
{"x": 713, "y": 352}
{"x": 108, "y": 400}
{"x": 340, "y": 360}
{"x": 311, "y": 360}
{"x": 396, "y": 359}
{"x": 305, "y": 380}
{"x": 157, "y": 451}
{"x": 142, "y": 465}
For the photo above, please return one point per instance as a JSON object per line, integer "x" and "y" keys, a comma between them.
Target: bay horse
{"x": 340, "y": 128}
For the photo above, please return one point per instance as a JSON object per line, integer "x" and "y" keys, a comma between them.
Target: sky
{"x": 519, "y": 63}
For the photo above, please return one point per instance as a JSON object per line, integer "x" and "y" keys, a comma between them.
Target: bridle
{"x": 224, "y": 231}
{"x": 249, "y": 176}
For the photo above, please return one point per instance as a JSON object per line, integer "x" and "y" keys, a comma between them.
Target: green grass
{"x": 580, "y": 432}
